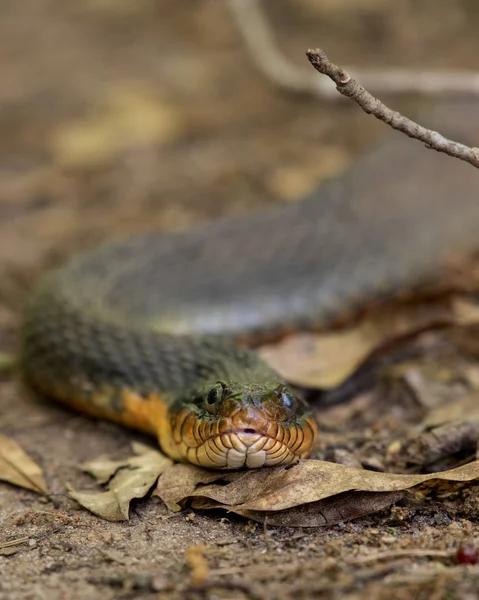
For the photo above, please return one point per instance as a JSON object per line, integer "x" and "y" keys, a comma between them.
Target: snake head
{"x": 230, "y": 425}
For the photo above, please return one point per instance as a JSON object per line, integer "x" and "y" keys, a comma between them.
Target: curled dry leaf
{"x": 181, "y": 481}
{"x": 326, "y": 360}
{"x": 104, "y": 467}
{"x": 18, "y": 468}
{"x": 311, "y": 493}
{"x": 127, "y": 479}
{"x": 324, "y": 513}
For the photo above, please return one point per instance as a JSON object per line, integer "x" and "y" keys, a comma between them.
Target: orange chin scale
{"x": 241, "y": 437}
{"x": 246, "y": 439}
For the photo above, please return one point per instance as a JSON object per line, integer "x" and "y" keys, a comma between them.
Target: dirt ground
{"x": 119, "y": 116}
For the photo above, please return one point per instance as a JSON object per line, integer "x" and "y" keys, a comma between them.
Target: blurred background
{"x": 118, "y": 116}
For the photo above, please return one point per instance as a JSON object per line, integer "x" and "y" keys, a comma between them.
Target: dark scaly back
{"x": 69, "y": 351}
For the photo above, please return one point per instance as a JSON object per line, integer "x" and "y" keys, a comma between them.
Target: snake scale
{"x": 146, "y": 331}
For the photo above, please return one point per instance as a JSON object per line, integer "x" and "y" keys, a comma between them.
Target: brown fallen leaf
{"x": 433, "y": 381}
{"x": 324, "y": 513}
{"x": 130, "y": 478}
{"x": 104, "y": 467}
{"x": 326, "y": 360}
{"x": 182, "y": 480}
{"x": 456, "y": 411}
{"x": 18, "y": 468}
{"x": 312, "y": 492}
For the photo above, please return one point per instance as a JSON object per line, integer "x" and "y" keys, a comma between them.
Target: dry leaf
{"x": 327, "y": 360}
{"x": 182, "y": 480}
{"x": 104, "y": 467}
{"x": 131, "y": 478}
{"x": 459, "y": 410}
{"x": 324, "y": 513}
{"x": 434, "y": 382}
{"x": 18, "y": 468}
{"x": 311, "y": 491}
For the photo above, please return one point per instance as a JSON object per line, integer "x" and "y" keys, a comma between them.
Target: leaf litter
{"x": 125, "y": 480}
{"x": 311, "y": 493}
{"x": 17, "y": 468}
{"x": 326, "y": 360}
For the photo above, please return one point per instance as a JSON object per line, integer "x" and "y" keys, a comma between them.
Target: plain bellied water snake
{"x": 144, "y": 331}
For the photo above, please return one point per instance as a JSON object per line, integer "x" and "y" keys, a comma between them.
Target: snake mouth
{"x": 242, "y": 448}
{"x": 246, "y": 439}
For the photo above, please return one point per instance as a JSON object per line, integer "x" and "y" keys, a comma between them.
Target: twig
{"x": 15, "y": 542}
{"x": 411, "y": 553}
{"x": 258, "y": 37}
{"x": 347, "y": 86}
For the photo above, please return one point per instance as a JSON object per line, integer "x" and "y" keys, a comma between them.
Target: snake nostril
{"x": 249, "y": 430}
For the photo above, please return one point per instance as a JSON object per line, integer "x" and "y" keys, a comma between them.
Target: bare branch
{"x": 258, "y": 36}
{"x": 371, "y": 105}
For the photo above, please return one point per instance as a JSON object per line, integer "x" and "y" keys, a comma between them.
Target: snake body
{"x": 145, "y": 331}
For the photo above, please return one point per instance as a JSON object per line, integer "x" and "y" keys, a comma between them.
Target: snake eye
{"x": 214, "y": 395}
{"x": 287, "y": 399}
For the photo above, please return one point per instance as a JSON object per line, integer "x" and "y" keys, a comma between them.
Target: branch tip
{"x": 347, "y": 86}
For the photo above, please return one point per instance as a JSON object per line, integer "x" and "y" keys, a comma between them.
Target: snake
{"x": 158, "y": 331}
